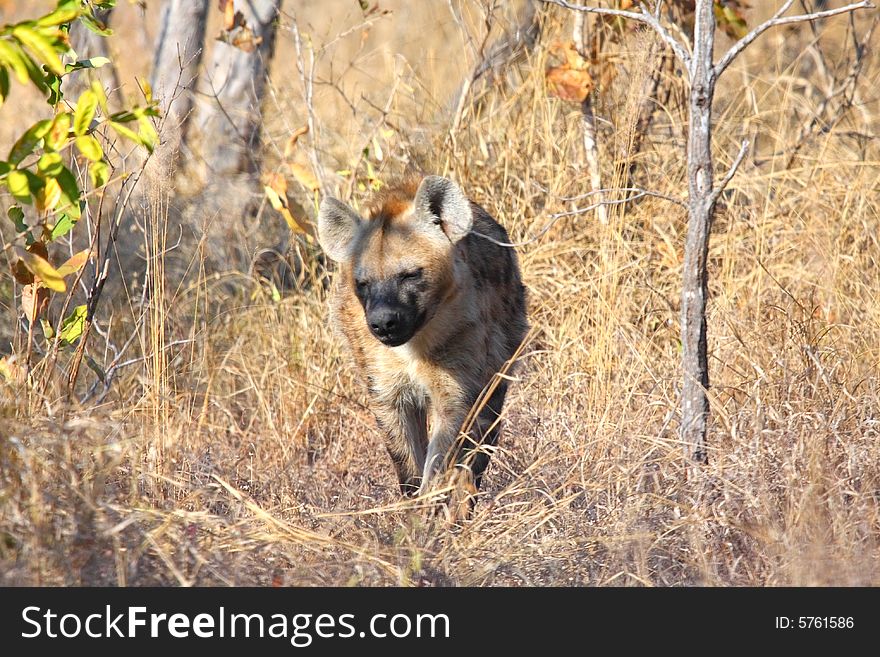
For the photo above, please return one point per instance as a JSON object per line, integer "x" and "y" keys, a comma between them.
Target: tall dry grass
{"x": 236, "y": 447}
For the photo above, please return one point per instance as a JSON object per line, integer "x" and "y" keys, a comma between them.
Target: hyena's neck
{"x": 457, "y": 311}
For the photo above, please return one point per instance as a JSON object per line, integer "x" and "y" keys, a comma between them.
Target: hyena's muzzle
{"x": 393, "y": 308}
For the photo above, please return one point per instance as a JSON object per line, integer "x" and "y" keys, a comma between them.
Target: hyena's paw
{"x": 463, "y": 496}
{"x": 456, "y": 495}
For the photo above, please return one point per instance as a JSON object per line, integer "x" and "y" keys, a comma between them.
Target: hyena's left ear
{"x": 441, "y": 201}
{"x": 337, "y": 227}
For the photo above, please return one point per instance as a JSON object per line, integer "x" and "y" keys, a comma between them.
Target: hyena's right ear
{"x": 337, "y": 227}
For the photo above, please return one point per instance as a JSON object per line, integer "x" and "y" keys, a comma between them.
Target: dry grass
{"x": 239, "y": 450}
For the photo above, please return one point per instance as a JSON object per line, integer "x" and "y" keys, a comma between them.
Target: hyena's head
{"x": 400, "y": 259}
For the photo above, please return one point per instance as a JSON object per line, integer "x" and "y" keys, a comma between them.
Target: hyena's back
{"x": 498, "y": 287}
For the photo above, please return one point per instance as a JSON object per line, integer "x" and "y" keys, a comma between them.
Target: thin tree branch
{"x": 777, "y": 20}
{"x": 641, "y": 16}
{"x": 743, "y": 149}
{"x": 638, "y": 193}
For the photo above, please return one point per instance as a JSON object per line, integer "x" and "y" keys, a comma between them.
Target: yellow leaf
{"x": 85, "y": 112}
{"x": 74, "y": 263}
{"x": 41, "y": 268}
{"x": 304, "y": 176}
{"x": 291, "y": 143}
{"x": 49, "y": 196}
{"x": 295, "y": 224}
{"x": 276, "y": 192}
{"x": 57, "y": 135}
{"x": 89, "y": 147}
{"x": 40, "y": 46}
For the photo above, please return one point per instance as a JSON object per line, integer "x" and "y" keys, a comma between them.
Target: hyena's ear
{"x": 441, "y": 201}
{"x": 337, "y": 227}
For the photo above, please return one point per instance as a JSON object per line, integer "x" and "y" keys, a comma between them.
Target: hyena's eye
{"x": 413, "y": 275}
{"x": 361, "y": 287}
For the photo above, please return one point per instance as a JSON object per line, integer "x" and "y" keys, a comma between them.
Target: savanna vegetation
{"x": 175, "y": 408}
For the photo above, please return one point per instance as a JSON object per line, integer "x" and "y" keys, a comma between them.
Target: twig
{"x": 777, "y": 20}
{"x": 641, "y": 16}
{"x": 743, "y": 149}
{"x": 102, "y": 272}
{"x": 308, "y": 84}
{"x": 640, "y": 193}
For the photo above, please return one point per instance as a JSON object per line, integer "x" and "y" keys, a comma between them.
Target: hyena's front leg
{"x": 448, "y": 445}
{"x": 404, "y": 422}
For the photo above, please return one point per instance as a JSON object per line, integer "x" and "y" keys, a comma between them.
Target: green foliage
{"x": 73, "y": 325}
{"x": 38, "y": 170}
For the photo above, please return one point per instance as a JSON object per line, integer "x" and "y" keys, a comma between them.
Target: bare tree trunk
{"x": 229, "y": 117}
{"x": 702, "y": 192}
{"x": 87, "y": 45}
{"x": 701, "y": 205}
{"x": 176, "y": 63}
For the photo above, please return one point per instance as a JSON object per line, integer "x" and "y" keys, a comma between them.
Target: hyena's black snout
{"x": 393, "y": 325}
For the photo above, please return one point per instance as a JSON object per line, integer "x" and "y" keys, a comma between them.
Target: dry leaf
{"x": 276, "y": 192}
{"x": 75, "y": 263}
{"x": 34, "y": 299}
{"x": 569, "y": 84}
{"x": 571, "y": 80}
{"x": 730, "y": 17}
{"x": 228, "y": 9}
{"x": 291, "y": 143}
{"x": 11, "y": 370}
{"x": 40, "y": 267}
{"x": 304, "y": 176}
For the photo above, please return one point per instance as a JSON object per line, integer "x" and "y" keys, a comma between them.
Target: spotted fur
{"x": 432, "y": 310}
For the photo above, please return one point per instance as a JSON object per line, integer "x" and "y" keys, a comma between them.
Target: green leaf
{"x": 65, "y": 13}
{"x": 28, "y": 141}
{"x": 85, "y": 112}
{"x": 47, "y": 328}
{"x": 53, "y": 82}
{"x": 99, "y": 172}
{"x": 16, "y": 215}
{"x": 63, "y": 226}
{"x": 40, "y": 267}
{"x": 94, "y": 62}
{"x": 4, "y": 85}
{"x": 89, "y": 147}
{"x": 50, "y": 164}
{"x": 13, "y": 56}
{"x": 147, "y": 133}
{"x": 40, "y": 46}
{"x": 70, "y": 194}
{"x": 94, "y": 25}
{"x": 73, "y": 325}
{"x": 58, "y": 134}
{"x": 36, "y": 74}
{"x": 123, "y": 131}
{"x": 17, "y": 182}
{"x": 98, "y": 90}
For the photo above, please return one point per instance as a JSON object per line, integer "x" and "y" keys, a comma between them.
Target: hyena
{"x": 432, "y": 308}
